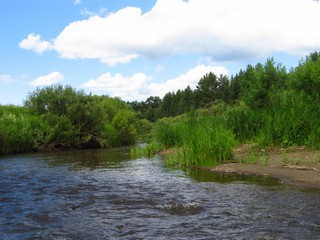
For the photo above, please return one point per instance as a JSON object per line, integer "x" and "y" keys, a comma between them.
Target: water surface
{"x": 103, "y": 194}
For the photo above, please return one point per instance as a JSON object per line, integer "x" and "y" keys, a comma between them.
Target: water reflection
{"x": 88, "y": 159}
{"x": 202, "y": 175}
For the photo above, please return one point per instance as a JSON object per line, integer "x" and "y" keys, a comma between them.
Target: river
{"x": 103, "y": 194}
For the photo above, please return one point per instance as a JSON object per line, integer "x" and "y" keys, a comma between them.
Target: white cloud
{"x": 221, "y": 29}
{"x": 34, "y": 42}
{"x": 52, "y": 78}
{"x": 127, "y": 88}
{"x": 190, "y": 78}
{"x": 140, "y": 87}
{"x": 77, "y": 2}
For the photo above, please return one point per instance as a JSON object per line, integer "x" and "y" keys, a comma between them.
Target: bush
{"x": 20, "y": 131}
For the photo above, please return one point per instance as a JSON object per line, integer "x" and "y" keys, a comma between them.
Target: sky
{"x": 134, "y": 49}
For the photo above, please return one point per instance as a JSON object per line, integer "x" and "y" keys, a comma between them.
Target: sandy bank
{"x": 292, "y": 166}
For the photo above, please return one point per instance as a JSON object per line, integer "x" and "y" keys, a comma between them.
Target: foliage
{"x": 124, "y": 123}
{"x": 55, "y": 99}
{"x": 20, "y": 131}
{"x": 147, "y": 150}
{"x": 262, "y": 103}
{"x": 61, "y": 117}
{"x": 243, "y": 122}
{"x": 200, "y": 140}
{"x": 305, "y": 78}
{"x": 260, "y": 82}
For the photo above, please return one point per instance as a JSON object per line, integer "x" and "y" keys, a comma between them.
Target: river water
{"x": 103, "y": 194}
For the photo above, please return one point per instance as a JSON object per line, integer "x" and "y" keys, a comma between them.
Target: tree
{"x": 223, "y": 91}
{"x": 235, "y": 87}
{"x": 188, "y": 97}
{"x": 151, "y": 106}
{"x": 74, "y": 119}
{"x": 167, "y": 105}
{"x": 55, "y": 99}
{"x": 305, "y": 78}
{"x": 261, "y": 83}
{"x": 207, "y": 89}
{"x": 125, "y": 122}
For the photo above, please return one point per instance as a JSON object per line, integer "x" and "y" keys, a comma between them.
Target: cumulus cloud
{"x": 34, "y": 42}
{"x": 139, "y": 86}
{"x": 126, "y": 87}
{"x": 77, "y": 2}
{"x": 51, "y": 78}
{"x": 221, "y": 29}
{"x": 190, "y": 78}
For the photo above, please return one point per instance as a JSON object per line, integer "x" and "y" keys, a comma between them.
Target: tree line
{"x": 263, "y": 105}
{"x": 260, "y": 86}
{"x": 281, "y": 103}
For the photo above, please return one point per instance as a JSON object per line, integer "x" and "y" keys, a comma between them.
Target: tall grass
{"x": 290, "y": 125}
{"x": 208, "y": 139}
{"x": 294, "y": 122}
{"x": 201, "y": 141}
{"x": 169, "y": 132}
{"x": 147, "y": 150}
{"x": 244, "y": 122}
{"x": 209, "y": 144}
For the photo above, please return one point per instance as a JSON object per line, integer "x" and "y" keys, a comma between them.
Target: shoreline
{"x": 292, "y": 177}
{"x": 297, "y": 166}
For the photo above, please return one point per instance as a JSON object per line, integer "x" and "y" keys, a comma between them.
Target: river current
{"x": 103, "y": 194}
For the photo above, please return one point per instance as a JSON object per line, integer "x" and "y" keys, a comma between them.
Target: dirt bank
{"x": 294, "y": 166}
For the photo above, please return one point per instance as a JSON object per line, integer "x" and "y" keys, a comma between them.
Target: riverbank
{"x": 296, "y": 166}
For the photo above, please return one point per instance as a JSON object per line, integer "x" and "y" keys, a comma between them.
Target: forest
{"x": 266, "y": 104}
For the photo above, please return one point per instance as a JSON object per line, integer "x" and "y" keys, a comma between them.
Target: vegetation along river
{"x": 103, "y": 194}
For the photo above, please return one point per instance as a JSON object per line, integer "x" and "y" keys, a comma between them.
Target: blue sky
{"x": 140, "y": 48}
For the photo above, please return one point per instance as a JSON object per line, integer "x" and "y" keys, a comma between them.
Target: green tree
{"x": 260, "y": 84}
{"x": 253, "y": 93}
{"x": 223, "y": 91}
{"x": 188, "y": 98}
{"x": 124, "y": 122}
{"x": 305, "y": 78}
{"x": 166, "y": 108}
{"x": 55, "y": 99}
{"x": 207, "y": 89}
{"x": 235, "y": 87}
{"x": 151, "y": 107}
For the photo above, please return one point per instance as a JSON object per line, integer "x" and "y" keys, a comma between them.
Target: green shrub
{"x": 20, "y": 131}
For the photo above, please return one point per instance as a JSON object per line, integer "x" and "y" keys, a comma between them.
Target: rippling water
{"x": 102, "y": 194}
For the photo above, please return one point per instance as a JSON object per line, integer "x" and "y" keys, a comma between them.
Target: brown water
{"x": 103, "y": 194}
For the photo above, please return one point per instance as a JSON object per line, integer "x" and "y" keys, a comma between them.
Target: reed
{"x": 147, "y": 150}
{"x": 244, "y": 122}
{"x": 203, "y": 141}
{"x": 295, "y": 125}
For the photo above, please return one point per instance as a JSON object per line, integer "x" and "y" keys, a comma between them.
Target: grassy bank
{"x": 207, "y": 137}
{"x": 265, "y": 105}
